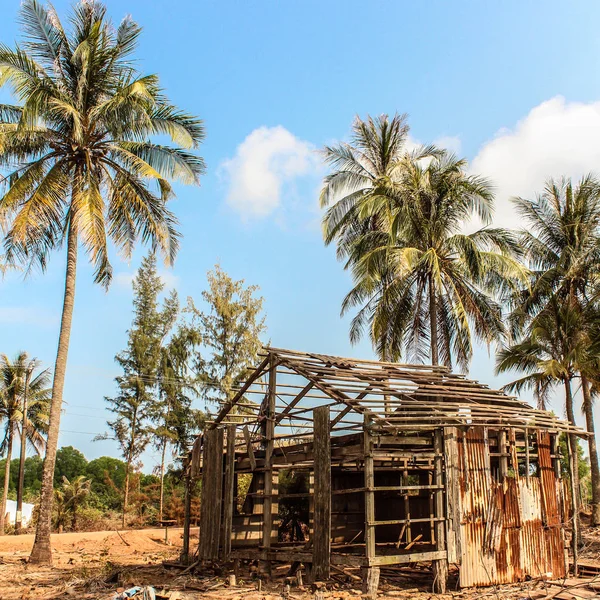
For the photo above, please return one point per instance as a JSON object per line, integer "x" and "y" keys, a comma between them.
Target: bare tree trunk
{"x": 9, "y": 442}
{"x": 19, "y": 515}
{"x": 574, "y": 446}
{"x": 42, "y": 552}
{"x": 588, "y": 409}
{"x": 162, "y": 479}
{"x": 126, "y": 491}
{"x": 433, "y": 323}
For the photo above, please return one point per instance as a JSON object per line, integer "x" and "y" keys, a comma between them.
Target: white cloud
{"x": 449, "y": 142}
{"x": 28, "y": 315}
{"x": 267, "y": 162}
{"x": 556, "y": 138}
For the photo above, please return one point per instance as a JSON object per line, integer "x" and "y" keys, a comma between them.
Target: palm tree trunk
{"x": 6, "y": 478}
{"x": 433, "y": 323}
{"x": 573, "y": 443}
{"x": 42, "y": 552}
{"x": 162, "y": 479}
{"x": 588, "y": 409}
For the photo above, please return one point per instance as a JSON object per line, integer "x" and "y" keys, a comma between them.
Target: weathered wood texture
{"x": 322, "y": 494}
{"x": 440, "y": 566}
{"x": 228, "y": 493}
{"x": 369, "y": 494}
{"x": 268, "y": 430}
{"x": 212, "y": 494}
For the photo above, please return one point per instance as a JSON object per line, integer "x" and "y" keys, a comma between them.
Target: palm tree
{"x": 424, "y": 288}
{"x": 17, "y": 378}
{"x": 562, "y": 244}
{"x": 83, "y": 168}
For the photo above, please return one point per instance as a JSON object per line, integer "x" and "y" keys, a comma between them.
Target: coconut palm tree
{"x": 424, "y": 287}
{"x": 562, "y": 245}
{"x": 18, "y": 377}
{"x": 82, "y": 167}
{"x": 69, "y": 499}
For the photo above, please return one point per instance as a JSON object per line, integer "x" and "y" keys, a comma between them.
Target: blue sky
{"x": 512, "y": 86}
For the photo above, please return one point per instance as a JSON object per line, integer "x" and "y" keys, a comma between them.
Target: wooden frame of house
{"x": 403, "y": 464}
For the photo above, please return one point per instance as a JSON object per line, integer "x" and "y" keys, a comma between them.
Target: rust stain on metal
{"x": 511, "y": 529}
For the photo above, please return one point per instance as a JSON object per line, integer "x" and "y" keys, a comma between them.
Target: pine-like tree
{"x": 230, "y": 331}
{"x": 134, "y": 405}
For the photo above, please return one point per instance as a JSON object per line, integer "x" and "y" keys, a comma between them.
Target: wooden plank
{"x": 369, "y": 495}
{"x": 400, "y": 559}
{"x": 212, "y": 489}
{"x": 453, "y": 502}
{"x": 440, "y": 566}
{"x": 322, "y": 494}
{"x": 228, "y": 493}
{"x": 268, "y": 434}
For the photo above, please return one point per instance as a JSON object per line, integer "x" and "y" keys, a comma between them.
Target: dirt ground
{"x": 98, "y": 564}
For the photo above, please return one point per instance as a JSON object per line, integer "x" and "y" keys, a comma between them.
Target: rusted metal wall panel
{"x": 510, "y": 529}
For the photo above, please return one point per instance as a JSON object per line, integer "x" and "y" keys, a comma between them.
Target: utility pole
{"x": 19, "y": 512}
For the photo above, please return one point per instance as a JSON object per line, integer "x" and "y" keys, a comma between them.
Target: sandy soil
{"x": 96, "y": 565}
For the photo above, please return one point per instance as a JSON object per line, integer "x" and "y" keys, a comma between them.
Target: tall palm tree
{"x": 562, "y": 245}
{"x": 83, "y": 168}
{"x": 424, "y": 288}
{"x": 18, "y": 376}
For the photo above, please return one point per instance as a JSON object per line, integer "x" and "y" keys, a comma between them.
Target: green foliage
{"x": 70, "y": 463}
{"x": 230, "y": 330}
{"x": 423, "y": 288}
{"x": 79, "y": 145}
{"x": 68, "y": 500}
{"x": 107, "y": 475}
{"x": 134, "y": 405}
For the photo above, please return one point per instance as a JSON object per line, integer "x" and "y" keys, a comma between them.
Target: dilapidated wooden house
{"x": 389, "y": 464}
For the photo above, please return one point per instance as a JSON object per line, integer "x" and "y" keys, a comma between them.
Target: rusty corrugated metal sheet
{"x": 510, "y": 529}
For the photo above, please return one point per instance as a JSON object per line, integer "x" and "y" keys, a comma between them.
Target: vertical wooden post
{"x": 369, "y": 493}
{"x": 503, "y": 459}
{"x": 527, "y": 455}
{"x": 575, "y": 505}
{"x": 228, "y": 499}
{"x": 322, "y": 515}
{"x": 370, "y": 574}
{"x": 408, "y": 530}
{"x": 453, "y": 496}
{"x": 212, "y": 495}
{"x": 440, "y": 566}
{"x": 187, "y": 518}
{"x": 268, "y": 435}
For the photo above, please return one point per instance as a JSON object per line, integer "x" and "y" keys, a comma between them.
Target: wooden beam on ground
{"x": 322, "y": 494}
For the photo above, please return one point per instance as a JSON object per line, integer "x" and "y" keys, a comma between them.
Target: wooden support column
{"x": 574, "y": 504}
{"x": 322, "y": 510}
{"x": 228, "y": 493}
{"x": 371, "y": 573}
{"x": 212, "y": 495}
{"x": 185, "y": 551}
{"x": 268, "y": 430}
{"x": 440, "y": 566}
{"x": 453, "y": 496}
